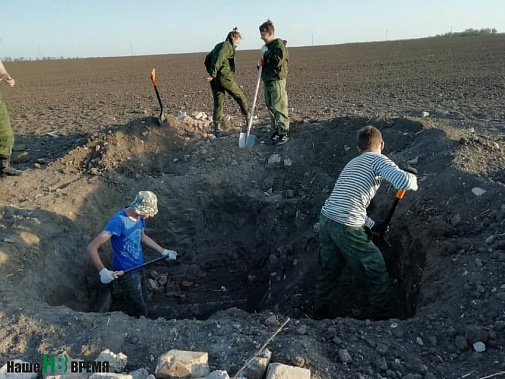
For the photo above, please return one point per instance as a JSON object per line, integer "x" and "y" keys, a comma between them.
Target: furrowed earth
{"x": 246, "y": 219}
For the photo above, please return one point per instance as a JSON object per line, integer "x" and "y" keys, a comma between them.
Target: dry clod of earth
{"x": 247, "y": 218}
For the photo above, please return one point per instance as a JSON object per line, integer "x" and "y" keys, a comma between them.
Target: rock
{"x": 499, "y": 296}
{"x": 288, "y": 162}
{"x": 419, "y": 341}
{"x": 290, "y": 194}
{"x": 302, "y": 330}
{"x": 382, "y": 349}
{"x": 479, "y": 347}
{"x": 5, "y": 375}
{"x": 152, "y": 284}
{"x": 478, "y": 191}
{"x": 272, "y": 321}
{"x": 478, "y": 262}
{"x": 172, "y": 289}
{"x": 19, "y": 147}
{"x": 94, "y": 171}
{"x": 499, "y": 326}
{"x": 258, "y": 366}
{"x": 381, "y": 364}
{"x": 117, "y": 362}
{"x": 425, "y": 114}
{"x": 460, "y": 342}
{"x": 21, "y": 158}
{"x": 412, "y": 376}
{"x": 141, "y": 373}
{"x": 218, "y": 374}
{"x": 344, "y": 356}
{"x": 316, "y": 228}
{"x": 476, "y": 334}
{"x": 456, "y": 220}
{"x": 110, "y": 375}
{"x": 413, "y": 161}
{"x": 182, "y": 364}
{"x": 280, "y": 371}
{"x": 182, "y": 116}
{"x": 163, "y": 279}
{"x": 145, "y": 133}
{"x": 274, "y": 159}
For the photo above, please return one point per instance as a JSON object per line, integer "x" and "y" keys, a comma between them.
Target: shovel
{"x": 246, "y": 139}
{"x": 161, "y": 118}
{"x": 179, "y": 256}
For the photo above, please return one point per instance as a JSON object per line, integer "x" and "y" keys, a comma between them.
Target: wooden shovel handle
{"x": 153, "y": 77}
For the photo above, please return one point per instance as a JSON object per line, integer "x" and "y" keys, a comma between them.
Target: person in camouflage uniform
{"x": 274, "y": 74}
{"x": 6, "y": 135}
{"x": 220, "y": 65}
{"x": 126, "y": 231}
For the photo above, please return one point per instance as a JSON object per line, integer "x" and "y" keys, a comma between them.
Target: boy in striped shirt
{"x": 343, "y": 238}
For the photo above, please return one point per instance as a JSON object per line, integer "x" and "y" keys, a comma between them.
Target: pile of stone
{"x": 171, "y": 365}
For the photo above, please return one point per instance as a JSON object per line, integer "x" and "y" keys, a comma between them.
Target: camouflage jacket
{"x": 221, "y": 60}
{"x": 276, "y": 61}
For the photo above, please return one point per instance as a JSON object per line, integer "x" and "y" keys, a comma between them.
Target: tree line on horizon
{"x": 469, "y": 32}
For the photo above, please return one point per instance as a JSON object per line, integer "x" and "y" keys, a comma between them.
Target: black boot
{"x": 6, "y": 169}
{"x": 217, "y": 129}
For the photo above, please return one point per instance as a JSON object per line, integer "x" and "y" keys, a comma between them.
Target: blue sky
{"x": 84, "y": 28}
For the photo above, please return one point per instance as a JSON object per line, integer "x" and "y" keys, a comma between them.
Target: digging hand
{"x": 107, "y": 276}
{"x": 171, "y": 255}
{"x": 379, "y": 228}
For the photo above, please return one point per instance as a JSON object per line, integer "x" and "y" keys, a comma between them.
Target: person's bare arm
{"x": 149, "y": 242}
{"x": 93, "y": 247}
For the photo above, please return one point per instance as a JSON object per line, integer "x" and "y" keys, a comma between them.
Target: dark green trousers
{"x": 341, "y": 245}
{"x": 6, "y": 135}
{"x": 276, "y": 100}
{"x": 220, "y": 86}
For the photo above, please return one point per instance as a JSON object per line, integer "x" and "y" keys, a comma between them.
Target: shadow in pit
{"x": 41, "y": 258}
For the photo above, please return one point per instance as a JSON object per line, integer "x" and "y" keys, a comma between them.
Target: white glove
{"x": 413, "y": 182}
{"x": 264, "y": 49}
{"x": 106, "y": 276}
{"x": 169, "y": 254}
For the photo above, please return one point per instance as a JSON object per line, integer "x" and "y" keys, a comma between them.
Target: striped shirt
{"x": 357, "y": 185}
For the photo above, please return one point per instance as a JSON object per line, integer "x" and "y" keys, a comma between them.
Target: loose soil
{"x": 87, "y": 136}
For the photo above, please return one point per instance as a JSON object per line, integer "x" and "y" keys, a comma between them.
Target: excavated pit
{"x": 247, "y": 234}
{"x": 257, "y": 250}
{"x": 255, "y": 276}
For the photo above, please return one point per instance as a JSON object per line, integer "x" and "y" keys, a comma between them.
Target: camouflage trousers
{"x": 220, "y": 86}
{"x": 341, "y": 245}
{"x": 135, "y": 291}
{"x": 6, "y": 135}
{"x": 276, "y": 100}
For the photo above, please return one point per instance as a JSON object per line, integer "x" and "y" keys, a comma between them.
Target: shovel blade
{"x": 246, "y": 140}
